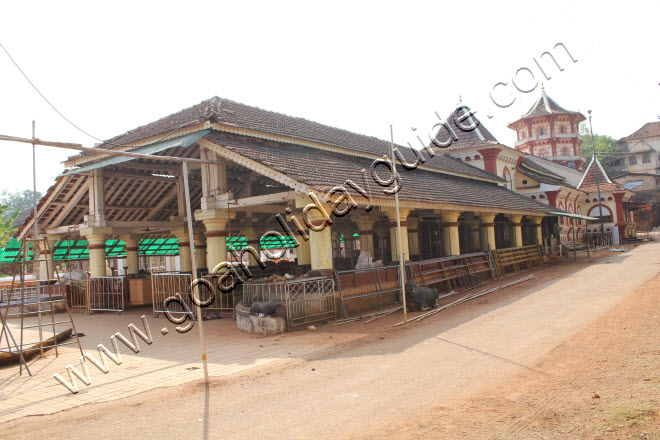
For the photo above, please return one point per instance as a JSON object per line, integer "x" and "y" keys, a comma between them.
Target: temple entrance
{"x": 503, "y": 232}
{"x": 468, "y": 233}
{"x": 529, "y": 236}
{"x": 430, "y": 239}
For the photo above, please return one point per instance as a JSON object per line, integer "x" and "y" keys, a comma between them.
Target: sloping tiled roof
{"x": 323, "y": 170}
{"x": 546, "y": 106}
{"x": 466, "y": 136}
{"x": 234, "y": 114}
{"x": 588, "y": 183}
{"x": 650, "y": 129}
{"x": 531, "y": 169}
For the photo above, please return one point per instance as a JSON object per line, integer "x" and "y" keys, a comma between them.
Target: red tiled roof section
{"x": 588, "y": 183}
{"x": 463, "y": 135}
{"x": 227, "y": 112}
{"x": 323, "y": 170}
{"x": 547, "y": 106}
{"x": 650, "y": 129}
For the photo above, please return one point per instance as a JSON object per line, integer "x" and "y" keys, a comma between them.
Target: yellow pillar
{"x": 215, "y": 221}
{"x": 47, "y": 265}
{"x": 132, "y": 262}
{"x": 488, "y": 231}
{"x": 450, "y": 232}
{"x": 365, "y": 229}
{"x": 200, "y": 251}
{"x": 517, "y": 230}
{"x": 320, "y": 241}
{"x": 96, "y": 237}
{"x": 394, "y": 237}
{"x": 185, "y": 263}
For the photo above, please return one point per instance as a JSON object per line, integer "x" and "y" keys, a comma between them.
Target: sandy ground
{"x": 522, "y": 363}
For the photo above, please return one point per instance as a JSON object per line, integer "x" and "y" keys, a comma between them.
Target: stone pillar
{"x": 215, "y": 221}
{"x": 394, "y": 237}
{"x": 320, "y": 241}
{"x": 413, "y": 235}
{"x": 303, "y": 252}
{"x": 517, "y": 230}
{"x": 96, "y": 237}
{"x": 132, "y": 256}
{"x": 365, "y": 229}
{"x": 488, "y": 231}
{"x": 450, "y": 233}
{"x": 185, "y": 262}
{"x": 200, "y": 251}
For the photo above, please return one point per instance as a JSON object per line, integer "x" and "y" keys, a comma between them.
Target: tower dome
{"x": 550, "y": 131}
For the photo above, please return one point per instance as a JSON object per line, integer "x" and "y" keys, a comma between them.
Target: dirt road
{"x": 489, "y": 369}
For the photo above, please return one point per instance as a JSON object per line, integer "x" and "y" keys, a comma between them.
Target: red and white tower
{"x": 550, "y": 131}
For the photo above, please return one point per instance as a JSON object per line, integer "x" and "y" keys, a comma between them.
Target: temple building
{"x": 259, "y": 171}
{"x": 546, "y": 166}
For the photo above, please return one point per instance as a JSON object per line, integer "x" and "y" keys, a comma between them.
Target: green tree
{"x": 605, "y": 145}
{"x": 7, "y": 228}
{"x": 17, "y": 201}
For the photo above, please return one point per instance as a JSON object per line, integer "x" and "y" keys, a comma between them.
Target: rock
{"x": 311, "y": 327}
{"x": 596, "y": 396}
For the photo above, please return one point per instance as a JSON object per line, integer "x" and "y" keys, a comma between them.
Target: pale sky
{"x": 110, "y": 67}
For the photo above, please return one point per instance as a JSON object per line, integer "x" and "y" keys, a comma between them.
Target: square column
{"x": 539, "y": 229}
{"x": 320, "y": 240}
{"x": 215, "y": 221}
{"x": 132, "y": 257}
{"x": 394, "y": 237}
{"x": 185, "y": 262}
{"x": 488, "y": 231}
{"x": 517, "y": 230}
{"x": 451, "y": 242}
{"x": 47, "y": 266}
{"x": 253, "y": 241}
{"x": 96, "y": 237}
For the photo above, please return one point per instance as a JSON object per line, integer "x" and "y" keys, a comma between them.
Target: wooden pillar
{"x": 403, "y": 216}
{"x": 96, "y": 199}
{"x": 185, "y": 263}
{"x": 488, "y": 231}
{"x": 132, "y": 256}
{"x": 200, "y": 251}
{"x": 539, "y": 229}
{"x": 450, "y": 232}
{"x": 413, "y": 235}
{"x": 254, "y": 241}
{"x": 517, "y": 230}
{"x": 47, "y": 265}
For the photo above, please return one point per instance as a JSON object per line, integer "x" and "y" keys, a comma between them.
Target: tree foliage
{"x": 7, "y": 229}
{"x": 17, "y": 202}
{"x": 605, "y": 145}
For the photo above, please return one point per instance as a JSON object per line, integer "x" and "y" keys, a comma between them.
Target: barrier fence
{"x": 106, "y": 294}
{"x": 305, "y": 300}
{"x": 224, "y": 302}
{"x": 514, "y": 258}
{"x": 172, "y": 285}
{"x": 362, "y": 283}
{"x": 78, "y": 295}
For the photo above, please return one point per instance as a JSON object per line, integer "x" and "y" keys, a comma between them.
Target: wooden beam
{"x": 133, "y": 175}
{"x": 73, "y": 202}
{"x": 264, "y": 199}
{"x": 145, "y": 224}
{"x": 162, "y": 204}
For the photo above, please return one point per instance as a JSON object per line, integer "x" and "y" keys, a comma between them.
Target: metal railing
{"x": 224, "y": 302}
{"x": 105, "y": 294}
{"x": 306, "y": 300}
{"x": 175, "y": 286}
{"x": 78, "y": 295}
{"x": 362, "y": 283}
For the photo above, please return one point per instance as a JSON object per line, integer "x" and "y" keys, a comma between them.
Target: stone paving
{"x": 172, "y": 359}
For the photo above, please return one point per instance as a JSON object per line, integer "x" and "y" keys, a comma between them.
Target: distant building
{"x": 550, "y": 131}
{"x": 638, "y": 165}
